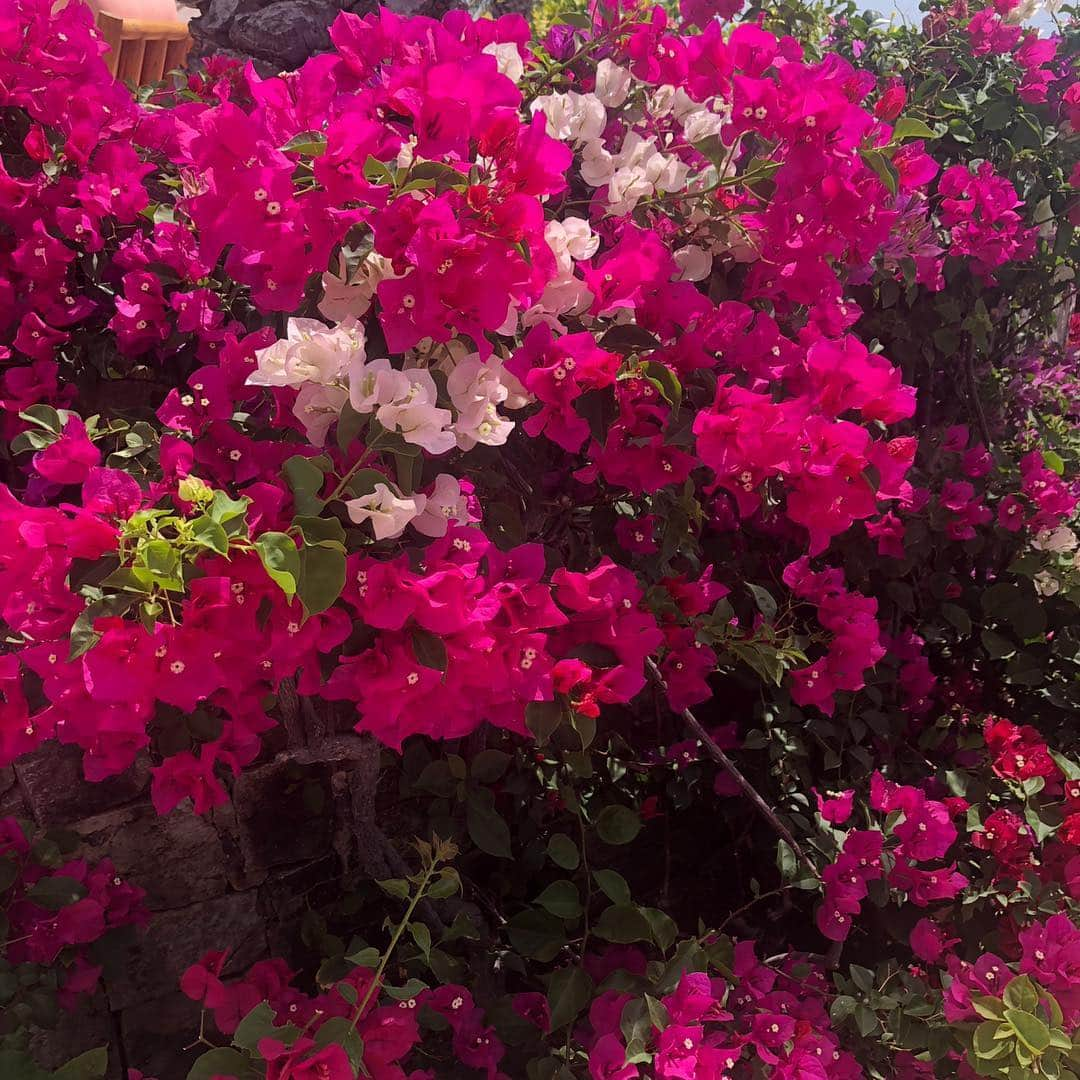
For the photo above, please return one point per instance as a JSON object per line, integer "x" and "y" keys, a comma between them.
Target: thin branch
{"x": 733, "y": 771}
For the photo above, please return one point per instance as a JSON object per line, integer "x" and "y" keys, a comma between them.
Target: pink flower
{"x": 929, "y": 941}
{"x": 71, "y": 457}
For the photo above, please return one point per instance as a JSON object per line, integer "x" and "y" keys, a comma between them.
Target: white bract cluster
{"x": 328, "y": 366}
{"x": 637, "y": 167}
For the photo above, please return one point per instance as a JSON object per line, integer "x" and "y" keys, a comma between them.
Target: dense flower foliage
{"x": 555, "y": 395}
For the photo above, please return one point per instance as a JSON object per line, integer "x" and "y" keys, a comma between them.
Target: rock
{"x": 174, "y": 940}
{"x": 177, "y": 859}
{"x": 86, "y": 1028}
{"x": 156, "y": 1033}
{"x": 280, "y": 814}
{"x": 286, "y": 32}
{"x": 52, "y": 783}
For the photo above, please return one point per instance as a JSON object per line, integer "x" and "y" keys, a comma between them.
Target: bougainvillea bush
{"x": 654, "y": 447}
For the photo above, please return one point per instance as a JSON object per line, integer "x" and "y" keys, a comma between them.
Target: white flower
{"x": 476, "y": 390}
{"x": 694, "y": 263}
{"x": 1046, "y": 584}
{"x": 612, "y": 83}
{"x": 626, "y": 188}
{"x": 597, "y": 165}
{"x": 416, "y": 416}
{"x": 662, "y": 100}
{"x": 344, "y": 296}
{"x": 508, "y": 59}
{"x": 375, "y": 383}
{"x": 444, "y": 505}
{"x": 701, "y": 124}
{"x": 571, "y": 238}
{"x": 387, "y": 512}
{"x": 317, "y": 407}
{"x": 312, "y": 352}
{"x": 572, "y": 117}
{"x": 1060, "y": 540}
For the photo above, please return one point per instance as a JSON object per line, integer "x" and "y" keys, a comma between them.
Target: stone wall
{"x": 233, "y": 879}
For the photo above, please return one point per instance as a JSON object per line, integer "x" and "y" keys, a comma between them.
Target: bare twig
{"x": 733, "y": 771}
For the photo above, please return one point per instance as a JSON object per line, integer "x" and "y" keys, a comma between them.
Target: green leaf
{"x": 579, "y": 19}
{"x": 222, "y": 1061}
{"x": 628, "y": 338}
{"x": 489, "y": 765}
{"x": 397, "y": 887}
{"x": 618, "y": 824}
{"x": 349, "y": 426}
{"x": 45, "y": 416}
{"x": 613, "y": 886}
{"x": 210, "y": 534}
{"x": 764, "y": 600}
{"x": 623, "y": 924}
{"x": 664, "y": 928}
{"x": 92, "y": 1065}
{"x": 322, "y": 576}
{"x": 885, "y": 169}
{"x": 563, "y": 852}
{"x": 231, "y": 514}
{"x": 999, "y": 114}
{"x": 162, "y": 560}
{"x": 561, "y": 898}
{"x": 1021, "y": 994}
{"x": 1031, "y": 1030}
{"x": 305, "y": 480}
{"x": 9, "y": 871}
{"x": 666, "y": 382}
{"x": 487, "y": 829}
{"x": 907, "y": 127}
{"x": 339, "y": 1031}
{"x": 56, "y": 892}
{"x": 985, "y": 1041}
{"x": 542, "y": 718}
{"x": 536, "y": 934}
{"x": 15, "y": 1063}
{"x": 1016, "y": 604}
{"x": 367, "y": 957}
{"x": 281, "y": 560}
{"x": 83, "y": 635}
{"x": 428, "y": 648}
{"x": 421, "y": 935}
{"x": 569, "y": 993}
{"x": 259, "y": 1024}
{"x": 309, "y": 143}
{"x": 320, "y": 530}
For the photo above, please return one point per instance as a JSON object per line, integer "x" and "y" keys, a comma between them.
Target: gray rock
{"x": 178, "y": 859}
{"x": 280, "y": 814}
{"x": 174, "y": 940}
{"x": 52, "y": 782}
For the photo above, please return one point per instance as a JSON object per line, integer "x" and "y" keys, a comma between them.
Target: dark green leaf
{"x": 623, "y": 924}
{"x": 322, "y": 577}
{"x": 618, "y": 824}
{"x": 536, "y": 934}
{"x": 428, "y": 648}
{"x": 563, "y": 852}
{"x": 561, "y": 898}
{"x": 222, "y": 1061}
{"x": 92, "y": 1065}
{"x": 488, "y": 831}
{"x": 543, "y": 717}
{"x": 56, "y": 892}
{"x": 569, "y": 993}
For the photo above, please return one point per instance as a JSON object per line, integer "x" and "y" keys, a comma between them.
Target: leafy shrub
{"x": 661, "y": 438}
